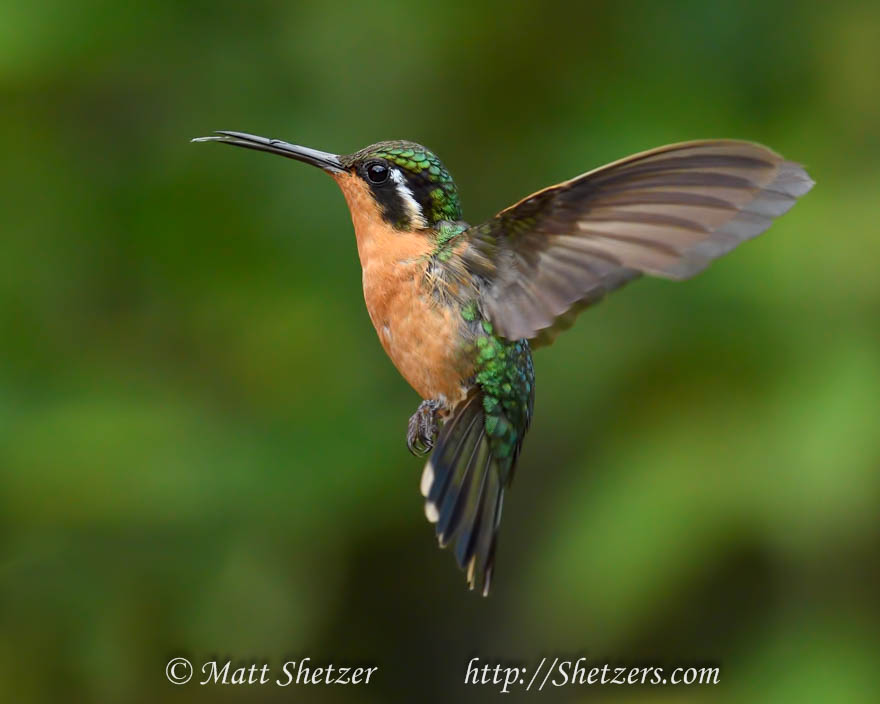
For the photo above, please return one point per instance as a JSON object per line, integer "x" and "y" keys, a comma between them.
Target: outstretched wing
{"x": 666, "y": 212}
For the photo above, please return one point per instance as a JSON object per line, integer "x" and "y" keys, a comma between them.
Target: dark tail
{"x": 463, "y": 485}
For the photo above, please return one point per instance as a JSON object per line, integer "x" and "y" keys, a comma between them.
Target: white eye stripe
{"x": 414, "y": 210}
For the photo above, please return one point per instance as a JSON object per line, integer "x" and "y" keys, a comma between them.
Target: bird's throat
{"x": 376, "y": 238}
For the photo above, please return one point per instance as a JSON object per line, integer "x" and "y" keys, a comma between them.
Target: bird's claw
{"x": 422, "y": 429}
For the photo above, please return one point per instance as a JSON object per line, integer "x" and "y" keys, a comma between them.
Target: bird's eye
{"x": 377, "y": 172}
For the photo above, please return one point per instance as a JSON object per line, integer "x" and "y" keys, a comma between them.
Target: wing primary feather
{"x": 668, "y": 212}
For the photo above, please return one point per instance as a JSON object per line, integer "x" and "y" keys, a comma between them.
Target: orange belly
{"x": 422, "y": 338}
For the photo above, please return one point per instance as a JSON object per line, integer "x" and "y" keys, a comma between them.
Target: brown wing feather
{"x": 666, "y": 212}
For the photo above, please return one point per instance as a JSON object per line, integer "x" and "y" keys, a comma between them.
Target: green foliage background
{"x": 202, "y": 444}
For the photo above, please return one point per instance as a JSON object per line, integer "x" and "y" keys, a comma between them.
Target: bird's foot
{"x": 422, "y": 429}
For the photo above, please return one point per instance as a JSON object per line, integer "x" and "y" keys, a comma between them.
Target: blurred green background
{"x": 202, "y": 443}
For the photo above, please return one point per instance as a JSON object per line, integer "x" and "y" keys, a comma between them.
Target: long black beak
{"x": 325, "y": 160}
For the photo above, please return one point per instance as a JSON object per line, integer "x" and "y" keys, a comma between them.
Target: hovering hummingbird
{"x": 458, "y": 307}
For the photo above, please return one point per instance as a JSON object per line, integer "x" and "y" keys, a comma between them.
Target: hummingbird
{"x": 458, "y": 308}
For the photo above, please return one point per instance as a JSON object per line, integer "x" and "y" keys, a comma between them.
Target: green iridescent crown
{"x": 426, "y": 175}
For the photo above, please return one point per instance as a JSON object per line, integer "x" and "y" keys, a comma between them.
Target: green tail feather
{"x": 462, "y": 485}
{"x": 472, "y": 464}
